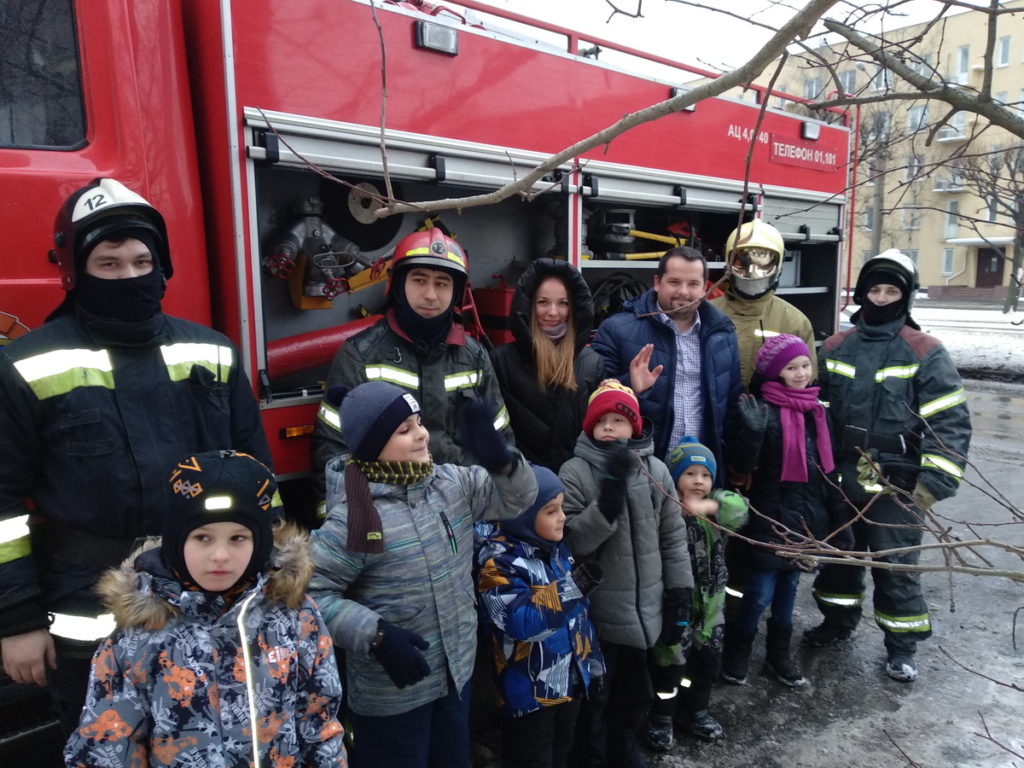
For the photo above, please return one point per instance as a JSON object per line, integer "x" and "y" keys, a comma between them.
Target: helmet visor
{"x": 754, "y": 263}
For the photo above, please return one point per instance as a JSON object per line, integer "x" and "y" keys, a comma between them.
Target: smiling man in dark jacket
{"x": 678, "y": 353}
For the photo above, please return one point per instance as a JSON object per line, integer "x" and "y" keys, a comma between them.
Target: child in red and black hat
{"x": 216, "y": 640}
{"x": 622, "y": 513}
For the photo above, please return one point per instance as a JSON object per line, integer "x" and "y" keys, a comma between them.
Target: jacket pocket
{"x": 84, "y": 434}
{"x": 207, "y": 399}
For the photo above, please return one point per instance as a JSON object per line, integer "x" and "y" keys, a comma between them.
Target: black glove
{"x": 399, "y": 654}
{"x": 479, "y": 438}
{"x": 753, "y": 414}
{"x": 677, "y": 606}
{"x": 611, "y": 500}
{"x": 587, "y": 576}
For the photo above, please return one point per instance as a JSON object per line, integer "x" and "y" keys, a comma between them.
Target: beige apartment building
{"x": 949, "y": 196}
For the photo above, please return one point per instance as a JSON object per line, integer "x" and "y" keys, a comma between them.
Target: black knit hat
{"x": 371, "y": 413}
{"x": 220, "y": 487}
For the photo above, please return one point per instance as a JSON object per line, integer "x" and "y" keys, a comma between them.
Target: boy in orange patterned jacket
{"x": 216, "y": 639}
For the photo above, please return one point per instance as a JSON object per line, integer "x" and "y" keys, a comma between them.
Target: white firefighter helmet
{"x": 92, "y": 213}
{"x": 896, "y": 265}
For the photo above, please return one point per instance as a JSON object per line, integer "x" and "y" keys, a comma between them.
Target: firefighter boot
{"x": 899, "y": 663}
{"x": 825, "y": 634}
{"x": 777, "y": 659}
{"x": 736, "y": 654}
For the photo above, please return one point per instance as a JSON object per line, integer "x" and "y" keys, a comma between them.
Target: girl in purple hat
{"x": 786, "y": 447}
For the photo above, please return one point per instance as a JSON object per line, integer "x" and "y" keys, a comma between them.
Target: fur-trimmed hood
{"x": 142, "y": 592}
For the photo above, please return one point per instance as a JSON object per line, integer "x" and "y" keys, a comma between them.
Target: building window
{"x": 910, "y": 253}
{"x": 1002, "y": 54}
{"x": 963, "y": 61}
{"x": 952, "y": 218}
{"x": 923, "y": 65}
{"x": 993, "y": 207}
{"x": 40, "y": 88}
{"x": 877, "y": 127}
{"x": 812, "y": 88}
{"x": 882, "y": 80}
{"x": 848, "y": 80}
{"x": 868, "y": 220}
{"x": 947, "y": 261}
{"x": 917, "y": 118}
{"x": 910, "y": 218}
{"x": 915, "y": 167}
{"x": 955, "y": 127}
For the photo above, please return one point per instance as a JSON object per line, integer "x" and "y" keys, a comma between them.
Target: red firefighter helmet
{"x": 430, "y": 248}
{"x": 91, "y": 214}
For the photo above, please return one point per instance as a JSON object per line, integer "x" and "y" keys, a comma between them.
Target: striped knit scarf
{"x": 365, "y": 529}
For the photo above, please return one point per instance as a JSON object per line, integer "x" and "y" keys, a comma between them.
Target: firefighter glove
{"x": 923, "y": 498}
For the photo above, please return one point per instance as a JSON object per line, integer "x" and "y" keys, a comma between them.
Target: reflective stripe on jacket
{"x": 457, "y": 370}
{"x": 894, "y": 380}
{"x": 91, "y": 428}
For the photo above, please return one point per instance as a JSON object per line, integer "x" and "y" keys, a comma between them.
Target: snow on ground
{"x": 983, "y": 342}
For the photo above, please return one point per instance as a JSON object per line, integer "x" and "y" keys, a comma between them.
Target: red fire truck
{"x": 237, "y": 119}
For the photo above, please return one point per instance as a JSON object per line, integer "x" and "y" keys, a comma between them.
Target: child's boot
{"x": 778, "y": 660}
{"x": 736, "y": 654}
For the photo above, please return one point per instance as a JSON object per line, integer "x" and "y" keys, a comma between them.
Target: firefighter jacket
{"x": 535, "y": 622}
{"x": 422, "y": 581}
{"x": 757, "y": 319}
{"x": 622, "y": 335}
{"x": 454, "y": 371}
{"x": 186, "y": 675}
{"x": 641, "y": 554}
{"x": 894, "y": 392}
{"x": 547, "y": 421}
{"x": 92, "y": 423}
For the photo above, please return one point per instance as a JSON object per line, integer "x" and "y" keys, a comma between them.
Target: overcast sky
{"x": 680, "y": 32}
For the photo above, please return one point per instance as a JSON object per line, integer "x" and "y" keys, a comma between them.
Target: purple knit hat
{"x": 778, "y": 352}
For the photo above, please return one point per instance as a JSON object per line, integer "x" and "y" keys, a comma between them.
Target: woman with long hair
{"x": 547, "y": 374}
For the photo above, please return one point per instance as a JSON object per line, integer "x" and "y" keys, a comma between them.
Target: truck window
{"x": 40, "y": 87}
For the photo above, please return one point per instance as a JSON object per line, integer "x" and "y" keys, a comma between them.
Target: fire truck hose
{"x": 309, "y": 350}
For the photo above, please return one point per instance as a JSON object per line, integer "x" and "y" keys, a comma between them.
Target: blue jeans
{"x": 763, "y": 587}
{"x": 435, "y": 735}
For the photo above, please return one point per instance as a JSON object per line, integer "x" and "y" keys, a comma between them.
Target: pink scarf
{"x": 793, "y": 404}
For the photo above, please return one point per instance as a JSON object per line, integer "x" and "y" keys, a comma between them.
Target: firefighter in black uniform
{"x": 903, "y": 429}
{"x": 96, "y": 406}
{"x": 420, "y": 345}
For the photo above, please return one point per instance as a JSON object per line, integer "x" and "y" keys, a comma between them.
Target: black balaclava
{"x": 131, "y": 299}
{"x": 425, "y": 332}
{"x": 871, "y": 313}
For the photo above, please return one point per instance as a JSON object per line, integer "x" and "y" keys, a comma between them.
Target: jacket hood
{"x": 579, "y": 297}
{"x": 139, "y": 592}
{"x": 594, "y": 453}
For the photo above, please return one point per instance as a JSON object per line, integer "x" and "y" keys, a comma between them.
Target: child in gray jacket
{"x": 393, "y": 572}
{"x": 623, "y": 513}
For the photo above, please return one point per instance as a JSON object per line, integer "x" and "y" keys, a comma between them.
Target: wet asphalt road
{"x": 852, "y": 715}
